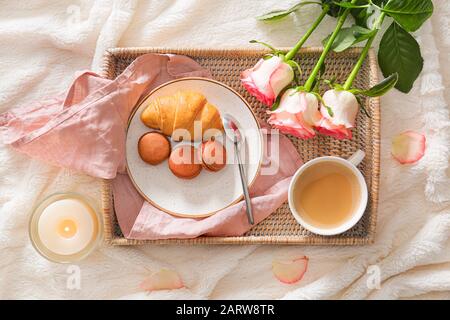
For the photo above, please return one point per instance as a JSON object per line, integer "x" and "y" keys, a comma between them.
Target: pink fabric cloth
{"x": 268, "y": 193}
{"x": 84, "y": 129}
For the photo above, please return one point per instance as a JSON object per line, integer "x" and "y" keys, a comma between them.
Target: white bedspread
{"x": 44, "y": 42}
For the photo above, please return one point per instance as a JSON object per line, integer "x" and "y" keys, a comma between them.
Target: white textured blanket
{"x": 44, "y": 42}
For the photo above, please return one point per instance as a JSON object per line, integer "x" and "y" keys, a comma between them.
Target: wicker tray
{"x": 280, "y": 227}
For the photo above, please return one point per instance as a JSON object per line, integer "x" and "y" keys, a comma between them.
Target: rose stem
{"x": 365, "y": 51}
{"x": 310, "y": 81}
{"x": 305, "y": 37}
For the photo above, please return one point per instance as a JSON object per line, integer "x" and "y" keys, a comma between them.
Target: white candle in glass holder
{"x": 64, "y": 228}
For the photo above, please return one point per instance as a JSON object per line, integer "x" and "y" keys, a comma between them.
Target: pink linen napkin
{"x": 84, "y": 129}
{"x": 267, "y": 194}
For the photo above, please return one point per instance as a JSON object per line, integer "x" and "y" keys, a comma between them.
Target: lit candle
{"x": 64, "y": 228}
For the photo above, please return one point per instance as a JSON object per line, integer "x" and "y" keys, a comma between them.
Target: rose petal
{"x": 290, "y": 271}
{"x": 262, "y": 74}
{"x": 281, "y": 78}
{"x": 345, "y": 108}
{"x": 311, "y": 113}
{"x": 257, "y": 79}
{"x": 267, "y": 78}
{"x": 266, "y": 99}
{"x": 290, "y": 115}
{"x": 344, "y": 105}
{"x": 163, "y": 279}
{"x": 408, "y": 147}
{"x": 339, "y": 132}
{"x": 290, "y": 102}
{"x": 289, "y": 124}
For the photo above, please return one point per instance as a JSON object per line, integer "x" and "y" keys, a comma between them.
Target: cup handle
{"x": 357, "y": 157}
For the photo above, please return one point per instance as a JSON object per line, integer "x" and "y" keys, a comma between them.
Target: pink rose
{"x": 345, "y": 108}
{"x": 267, "y": 78}
{"x": 297, "y": 114}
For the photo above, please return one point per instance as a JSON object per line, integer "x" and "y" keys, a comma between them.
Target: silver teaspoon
{"x": 232, "y": 130}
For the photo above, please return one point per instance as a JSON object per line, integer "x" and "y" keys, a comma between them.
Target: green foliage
{"x": 400, "y": 53}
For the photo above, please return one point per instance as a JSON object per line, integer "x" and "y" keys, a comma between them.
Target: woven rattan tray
{"x": 280, "y": 227}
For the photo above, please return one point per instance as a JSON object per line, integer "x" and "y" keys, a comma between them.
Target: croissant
{"x": 188, "y": 110}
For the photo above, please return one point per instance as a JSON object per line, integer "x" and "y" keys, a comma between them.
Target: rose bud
{"x": 344, "y": 107}
{"x": 267, "y": 78}
{"x": 297, "y": 114}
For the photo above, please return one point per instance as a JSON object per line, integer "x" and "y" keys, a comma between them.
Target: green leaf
{"x": 361, "y": 15}
{"x": 399, "y": 52}
{"x": 380, "y": 88}
{"x": 362, "y": 107}
{"x": 365, "y": 16}
{"x": 348, "y": 37}
{"x": 410, "y": 14}
{"x": 280, "y": 14}
{"x": 335, "y": 10}
{"x": 274, "y": 15}
{"x": 350, "y": 5}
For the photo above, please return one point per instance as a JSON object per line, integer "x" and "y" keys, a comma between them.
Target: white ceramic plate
{"x": 209, "y": 192}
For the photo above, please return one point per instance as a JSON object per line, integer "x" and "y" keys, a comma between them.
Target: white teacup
{"x": 359, "y": 196}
